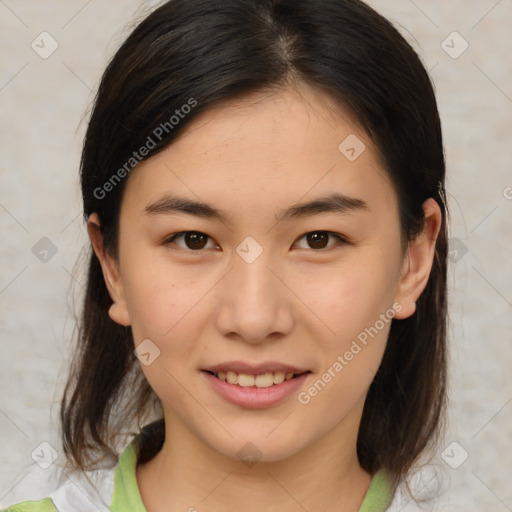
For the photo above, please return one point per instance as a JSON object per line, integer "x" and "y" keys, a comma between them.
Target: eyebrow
{"x": 336, "y": 202}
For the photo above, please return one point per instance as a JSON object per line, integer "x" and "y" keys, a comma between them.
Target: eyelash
{"x": 342, "y": 240}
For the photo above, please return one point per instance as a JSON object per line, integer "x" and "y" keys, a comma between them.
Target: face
{"x": 254, "y": 282}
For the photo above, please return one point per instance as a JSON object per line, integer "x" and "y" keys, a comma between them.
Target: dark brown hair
{"x": 214, "y": 52}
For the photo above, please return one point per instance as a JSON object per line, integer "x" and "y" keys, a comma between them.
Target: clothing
{"x": 117, "y": 491}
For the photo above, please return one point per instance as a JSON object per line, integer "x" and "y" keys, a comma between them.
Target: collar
{"x": 126, "y": 494}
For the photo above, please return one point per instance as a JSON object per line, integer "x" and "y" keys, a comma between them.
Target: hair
{"x": 207, "y": 54}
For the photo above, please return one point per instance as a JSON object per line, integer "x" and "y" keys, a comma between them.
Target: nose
{"x": 254, "y": 305}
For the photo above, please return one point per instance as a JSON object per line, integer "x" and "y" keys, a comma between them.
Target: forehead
{"x": 281, "y": 125}
{"x": 281, "y": 147}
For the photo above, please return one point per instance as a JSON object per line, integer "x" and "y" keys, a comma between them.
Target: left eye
{"x": 319, "y": 239}
{"x": 196, "y": 240}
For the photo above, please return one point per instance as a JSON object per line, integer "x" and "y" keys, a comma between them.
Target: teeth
{"x": 232, "y": 377}
{"x": 245, "y": 380}
{"x": 264, "y": 380}
{"x": 279, "y": 377}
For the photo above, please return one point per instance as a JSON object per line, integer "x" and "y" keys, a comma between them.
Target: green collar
{"x": 378, "y": 497}
{"x": 126, "y": 490}
{"x": 127, "y": 497}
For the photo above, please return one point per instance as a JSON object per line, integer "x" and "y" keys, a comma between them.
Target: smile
{"x": 255, "y": 391}
{"x": 262, "y": 380}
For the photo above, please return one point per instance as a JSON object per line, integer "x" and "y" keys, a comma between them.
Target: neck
{"x": 189, "y": 475}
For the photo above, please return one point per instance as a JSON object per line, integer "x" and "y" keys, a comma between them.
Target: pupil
{"x": 317, "y": 240}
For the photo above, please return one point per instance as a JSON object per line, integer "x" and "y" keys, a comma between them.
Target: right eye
{"x": 194, "y": 241}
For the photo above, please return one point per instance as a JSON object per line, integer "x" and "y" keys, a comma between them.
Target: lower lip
{"x": 252, "y": 397}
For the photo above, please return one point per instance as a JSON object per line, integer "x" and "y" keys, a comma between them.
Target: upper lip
{"x": 254, "y": 368}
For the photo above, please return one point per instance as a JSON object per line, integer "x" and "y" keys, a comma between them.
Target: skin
{"x": 296, "y": 303}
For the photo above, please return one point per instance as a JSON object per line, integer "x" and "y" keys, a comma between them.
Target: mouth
{"x": 255, "y": 386}
{"x": 260, "y": 380}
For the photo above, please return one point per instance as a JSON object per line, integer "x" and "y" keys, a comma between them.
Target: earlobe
{"x": 119, "y": 314}
{"x": 118, "y": 311}
{"x": 418, "y": 260}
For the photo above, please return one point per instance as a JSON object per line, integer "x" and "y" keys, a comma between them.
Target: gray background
{"x": 43, "y": 101}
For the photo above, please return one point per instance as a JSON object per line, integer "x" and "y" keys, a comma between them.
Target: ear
{"x": 118, "y": 312}
{"x": 418, "y": 260}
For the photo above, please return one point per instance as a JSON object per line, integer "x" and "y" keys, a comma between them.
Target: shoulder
{"x": 97, "y": 490}
{"x": 45, "y": 505}
{"x": 91, "y": 489}
{"x": 76, "y": 494}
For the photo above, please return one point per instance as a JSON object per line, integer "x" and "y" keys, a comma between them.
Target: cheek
{"x": 356, "y": 305}
{"x": 161, "y": 300}
{"x": 167, "y": 308}
{"x": 348, "y": 297}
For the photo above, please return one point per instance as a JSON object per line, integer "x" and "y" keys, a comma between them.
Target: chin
{"x": 251, "y": 445}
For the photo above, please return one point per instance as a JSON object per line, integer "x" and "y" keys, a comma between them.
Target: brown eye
{"x": 318, "y": 239}
{"x": 195, "y": 240}
{"x": 321, "y": 240}
{"x": 190, "y": 241}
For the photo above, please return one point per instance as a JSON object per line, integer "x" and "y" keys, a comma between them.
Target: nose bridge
{"x": 252, "y": 303}
{"x": 254, "y": 280}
